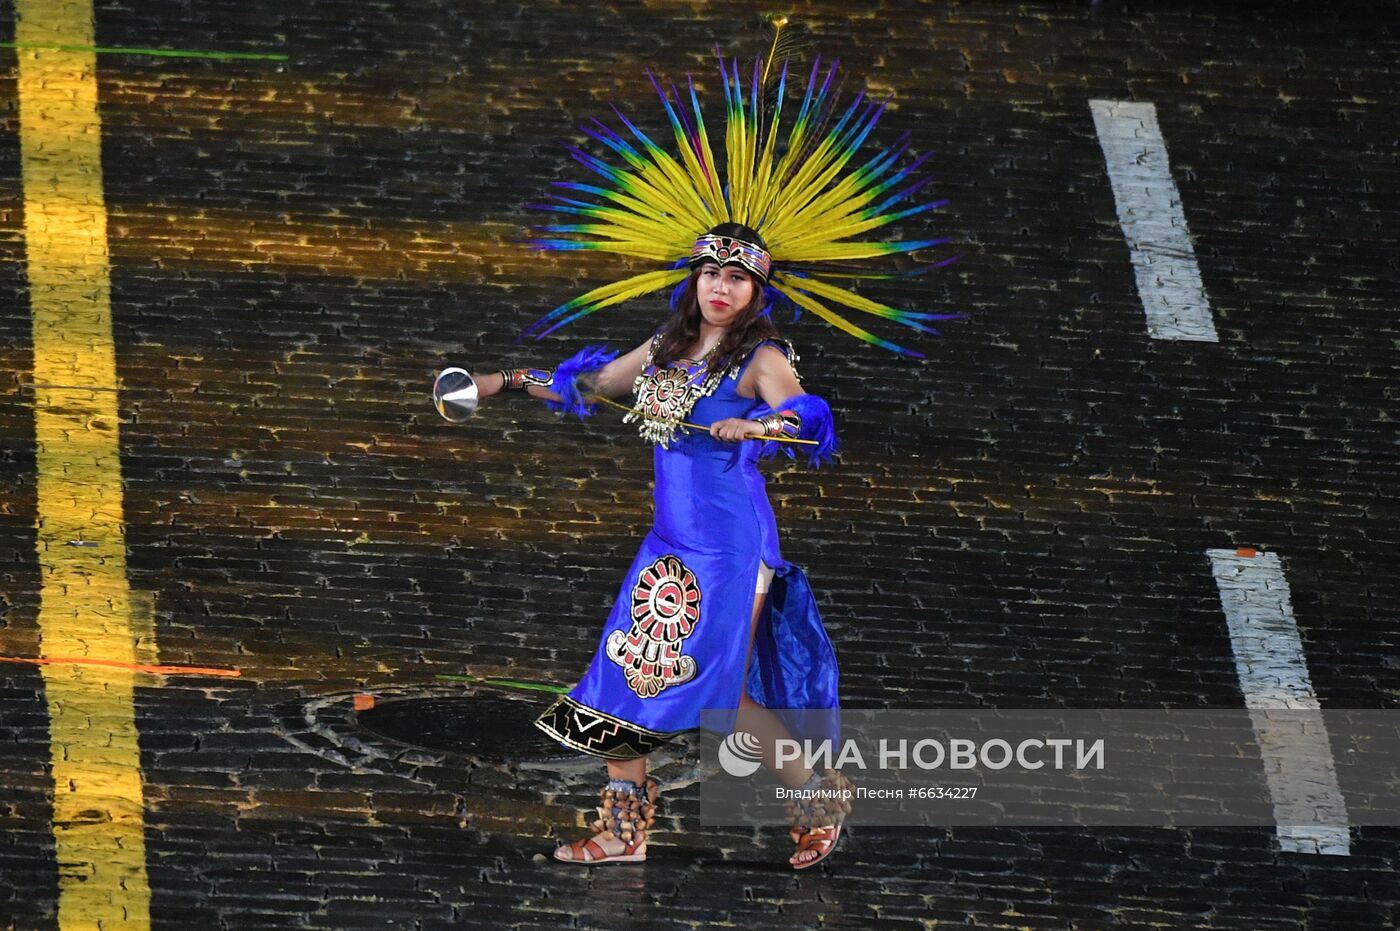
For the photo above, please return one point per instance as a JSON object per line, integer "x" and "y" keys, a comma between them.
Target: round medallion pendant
{"x": 668, "y": 394}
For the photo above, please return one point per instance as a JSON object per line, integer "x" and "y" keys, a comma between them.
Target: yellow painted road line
{"x": 85, "y": 608}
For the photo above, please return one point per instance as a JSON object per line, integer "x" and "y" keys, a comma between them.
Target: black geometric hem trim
{"x": 597, "y": 734}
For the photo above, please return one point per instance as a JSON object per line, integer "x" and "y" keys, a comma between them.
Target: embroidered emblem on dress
{"x": 665, "y": 609}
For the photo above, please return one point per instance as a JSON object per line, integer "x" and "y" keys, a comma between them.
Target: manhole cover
{"x": 478, "y": 725}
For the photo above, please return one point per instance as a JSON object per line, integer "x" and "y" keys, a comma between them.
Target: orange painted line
{"x": 1246, "y": 551}
{"x": 117, "y": 664}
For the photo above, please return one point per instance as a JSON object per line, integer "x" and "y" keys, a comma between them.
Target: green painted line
{"x": 157, "y": 52}
{"x": 508, "y": 683}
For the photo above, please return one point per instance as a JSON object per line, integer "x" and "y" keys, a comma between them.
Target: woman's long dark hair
{"x": 682, "y": 329}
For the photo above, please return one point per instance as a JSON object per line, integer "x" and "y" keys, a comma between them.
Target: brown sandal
{"x": 589, "y": 852}
{"x": 822, "y": 840}
{"x": 818, "y": 817}
{"x": 626, "y": 810}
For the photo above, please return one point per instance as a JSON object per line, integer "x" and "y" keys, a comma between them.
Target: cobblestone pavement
{"x": 1019, "y": 521}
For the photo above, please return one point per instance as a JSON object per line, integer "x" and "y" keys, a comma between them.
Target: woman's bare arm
{"x": 611, "y": 381}
{"x": 615, "y": 379}
{"x": 773, "y": 380}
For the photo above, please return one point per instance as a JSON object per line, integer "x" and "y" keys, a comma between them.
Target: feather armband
{"x": 809, "y": 417}
{"x": 570, "y": 381}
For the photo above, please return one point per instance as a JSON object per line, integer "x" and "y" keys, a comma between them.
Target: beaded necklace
{"x": 665, "y": 396}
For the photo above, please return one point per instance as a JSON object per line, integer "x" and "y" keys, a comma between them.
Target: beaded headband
{"x": 725, "y": 250}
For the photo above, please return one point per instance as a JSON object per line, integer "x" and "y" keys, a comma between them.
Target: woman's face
{"x": 723, "y": 293}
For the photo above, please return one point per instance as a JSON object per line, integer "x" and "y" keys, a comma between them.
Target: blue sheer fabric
{"x": 677, "y": 638}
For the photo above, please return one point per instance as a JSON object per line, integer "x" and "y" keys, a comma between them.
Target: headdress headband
{"x": 799, "y": 186}
{"x": 726, "y": 250}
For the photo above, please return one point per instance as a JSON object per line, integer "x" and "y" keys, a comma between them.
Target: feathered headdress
{"x": 797, "y": 188}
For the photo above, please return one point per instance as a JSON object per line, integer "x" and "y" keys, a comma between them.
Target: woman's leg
{"x": 757, "y": 720}
{"x": 764, "y": 724}
{"x": 631, "y": 770}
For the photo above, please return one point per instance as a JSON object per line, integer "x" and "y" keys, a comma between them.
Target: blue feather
{"x": 565, "y": 382}
{"x": 816, "y": 425}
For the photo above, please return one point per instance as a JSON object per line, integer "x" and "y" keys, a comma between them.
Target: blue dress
{"x": 676, "y": 640}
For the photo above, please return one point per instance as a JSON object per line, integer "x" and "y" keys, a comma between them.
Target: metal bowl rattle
{"x": 455, "y": 395}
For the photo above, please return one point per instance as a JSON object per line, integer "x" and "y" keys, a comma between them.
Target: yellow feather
{"x": 803, "y": 193}
{"x": 637, "y": 285}
{"x": 763, "y": 177}
{"x": 642, "y": 249}
{"x": 716, "y": 190}
{"x": 635, "y": 225}
{"x": 844, "y": 198}
{"x": 847, "y": 230}
{"x": 673, "y": 196}
{"x": 796, "y": 190}
{"x": 848, "y": 298}
{"x": 837, "y": 252}
{"x": 615, "y": 234}
{"x": 737, "y": 167}
{"x": 807, "y": 302}
{"x": 652, "y": 191}
{"x": 699, "y": 181}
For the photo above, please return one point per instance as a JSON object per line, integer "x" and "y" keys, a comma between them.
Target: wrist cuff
{"x": 520, "y": 379}
{"x": 781, "y": 423}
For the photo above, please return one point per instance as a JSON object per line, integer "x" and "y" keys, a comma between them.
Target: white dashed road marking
{"x": 1149, "y": 210}
{"x": 1308, "y": 806}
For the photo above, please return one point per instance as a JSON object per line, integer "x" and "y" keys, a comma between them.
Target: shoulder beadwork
{"x": 651, "y": 350}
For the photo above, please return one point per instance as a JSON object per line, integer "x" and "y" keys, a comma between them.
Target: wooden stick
{"x": 696, "y": 426}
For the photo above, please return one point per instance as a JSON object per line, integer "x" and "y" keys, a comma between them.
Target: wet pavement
{"x": 1018, "y": 521}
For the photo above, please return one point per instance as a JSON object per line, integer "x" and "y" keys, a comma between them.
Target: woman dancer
{"x": 680, "y": 637}
{"x": 710, "y": 616}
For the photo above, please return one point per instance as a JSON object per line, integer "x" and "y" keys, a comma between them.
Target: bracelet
{"x": 520, "y": 379}
{"x": 781, "y": 423}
